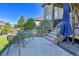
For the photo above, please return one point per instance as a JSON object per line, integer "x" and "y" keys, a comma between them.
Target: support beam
{"x": 52, "y": 17}
{"x": 72, "y": 23}
{"x": 44, "y": 13}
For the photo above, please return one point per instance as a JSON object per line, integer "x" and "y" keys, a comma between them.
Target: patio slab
{"x": 37, "y": 46}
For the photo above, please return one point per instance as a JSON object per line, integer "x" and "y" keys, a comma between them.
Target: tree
{"x": 29, "y": 24}
{"x": 16, "y": 26}
{"x": 6, "y": 28}
{"x": 44, "y": 27}
{"x": 21, "y": 22}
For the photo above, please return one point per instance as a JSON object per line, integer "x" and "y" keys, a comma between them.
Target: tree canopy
{"x": 6, "y": 28}
{"x": 21, "y": 22}
{"x": 29, "y": 24}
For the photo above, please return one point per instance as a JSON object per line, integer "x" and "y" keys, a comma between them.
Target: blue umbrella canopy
{"x": 66, "y": 29}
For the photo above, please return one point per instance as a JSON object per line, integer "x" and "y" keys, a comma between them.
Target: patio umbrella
{"x": 66, "y": 29}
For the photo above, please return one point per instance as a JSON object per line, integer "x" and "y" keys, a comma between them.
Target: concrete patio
{"x": 37, "y": 46}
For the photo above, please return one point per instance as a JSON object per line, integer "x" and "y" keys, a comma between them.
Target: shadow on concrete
{"x": 18, "y": 39}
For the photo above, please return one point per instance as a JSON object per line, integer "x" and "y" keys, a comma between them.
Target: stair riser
{"x": 52, "y": 36}
{"x": 53, "y": 33}
{"x": 50, "y": 39}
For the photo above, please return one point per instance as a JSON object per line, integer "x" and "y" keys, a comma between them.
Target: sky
{"x": 11, "y": 12}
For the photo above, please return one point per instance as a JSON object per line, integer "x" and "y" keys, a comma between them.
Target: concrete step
{"x": 61, "y": 38}
{"x": 52, "y": 36}
{"x": 58, "y": 39}
{"x": 53, "y": 33}
{"x": 51, "y": 39}
{"x": 70, "y": 48}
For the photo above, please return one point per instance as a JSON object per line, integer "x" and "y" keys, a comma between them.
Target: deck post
{"x": 72, "y": 24}
{"x": 52, "y": 17}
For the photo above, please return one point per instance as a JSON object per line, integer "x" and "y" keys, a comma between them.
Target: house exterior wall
{"x": 58, "y": 13}
{"x": 38, "y": 20}
{"x": 37, "y": 23}
{"x": 48, "y": 14}
{"x": 47, "y": 10}
{"x": 52, "y": 13}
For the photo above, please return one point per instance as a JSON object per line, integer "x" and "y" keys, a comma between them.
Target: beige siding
{"x": 58, "y": 13}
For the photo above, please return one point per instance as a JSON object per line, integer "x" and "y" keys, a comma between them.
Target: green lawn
{"x": 3, "y": 41}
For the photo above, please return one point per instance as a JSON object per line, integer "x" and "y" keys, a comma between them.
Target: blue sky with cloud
{"x": 11, "y": 12}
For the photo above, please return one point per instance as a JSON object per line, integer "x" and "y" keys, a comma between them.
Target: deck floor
{"x": 37, "y": 46}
